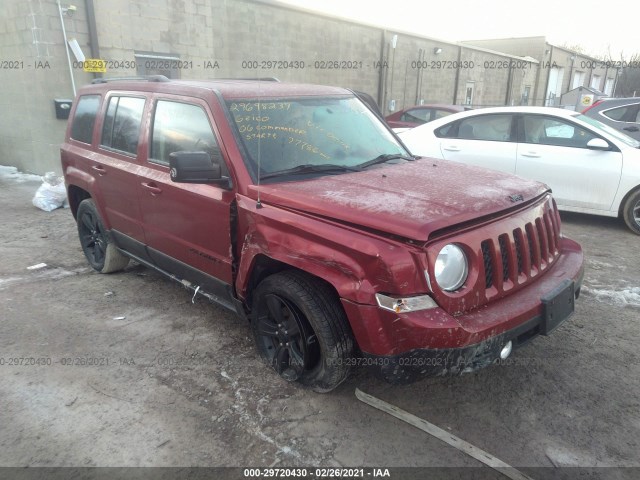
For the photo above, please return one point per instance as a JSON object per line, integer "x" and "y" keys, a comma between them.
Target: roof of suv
{"x": 228, "y": 88}
{"x": 606, "y": 103}
{"x": 620, "y": 99}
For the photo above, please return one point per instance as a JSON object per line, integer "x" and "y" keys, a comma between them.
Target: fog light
{"x": 506, "y": 350}
{"x": 405, "y": 304}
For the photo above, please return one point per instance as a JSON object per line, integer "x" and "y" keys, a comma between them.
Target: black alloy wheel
{"x": 286, "y": 337}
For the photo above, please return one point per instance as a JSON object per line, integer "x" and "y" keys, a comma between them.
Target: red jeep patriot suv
{"x": 296, "y": 207}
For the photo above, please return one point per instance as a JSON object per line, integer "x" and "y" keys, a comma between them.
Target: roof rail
{"x": 259, "y": 79}
{"x": 147, "y": 78}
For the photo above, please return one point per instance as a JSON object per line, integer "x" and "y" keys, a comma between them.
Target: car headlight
{"x": 451, "y": 268}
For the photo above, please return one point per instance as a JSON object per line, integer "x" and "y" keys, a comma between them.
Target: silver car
{"x": 620, "y": 113}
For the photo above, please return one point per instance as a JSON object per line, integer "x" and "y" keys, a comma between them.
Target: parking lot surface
{"x": 126, "y": 370}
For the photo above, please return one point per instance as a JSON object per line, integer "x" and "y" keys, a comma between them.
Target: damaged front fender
{"x": 357, "y": 263}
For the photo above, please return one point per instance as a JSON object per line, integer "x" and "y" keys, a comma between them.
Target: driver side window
{"x": 554, "y": 131}
{"x": 182, "y": 127}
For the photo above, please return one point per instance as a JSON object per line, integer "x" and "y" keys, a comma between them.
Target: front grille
{"x": 488, "y": 264}
{"x": 517, "y": 239}
{"x": 521, "y": 254}
{"x": 504, "y": 256}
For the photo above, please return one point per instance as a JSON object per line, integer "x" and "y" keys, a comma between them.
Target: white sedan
{"x": 590, "y": 167}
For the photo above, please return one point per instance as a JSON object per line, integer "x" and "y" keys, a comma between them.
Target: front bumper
{"x": 407, "y": 367}
{"x": 432, "y": 342}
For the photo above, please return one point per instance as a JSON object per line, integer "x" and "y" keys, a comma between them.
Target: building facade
{"x": 560, "y": 69}
{"x": 208, "y": 39}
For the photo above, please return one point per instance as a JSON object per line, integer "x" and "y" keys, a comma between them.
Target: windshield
{"x": 627, "y": 140}
{"x": 316, "y": 133}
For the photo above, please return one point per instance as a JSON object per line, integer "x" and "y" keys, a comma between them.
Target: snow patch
{"x": 625, "y": 297}
{"x": 5, "y": 281}
{"x": 252, "y": 425}
{"x": 484, "y": 191}
{"x": 598, "y": 265}
{"x": 52, "y": 273}
{"x": 566, "y": 457}
{"x": 12, "y": 173}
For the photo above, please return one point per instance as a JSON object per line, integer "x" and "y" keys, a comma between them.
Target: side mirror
{"x": 195, "y": 167}
{"x": 598, "y": 144}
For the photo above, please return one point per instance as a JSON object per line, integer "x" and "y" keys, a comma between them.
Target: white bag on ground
{"x": 51, "y": 194}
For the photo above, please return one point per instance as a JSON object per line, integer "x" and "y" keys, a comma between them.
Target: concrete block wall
{"x": 228, "y": 38}
{"x": 35, "y": 74}
{"x": 415, "y": 72}
{"x": 549, "y": 55}
{"x": 490, "y": 74}
{"x": 531, "y": 46}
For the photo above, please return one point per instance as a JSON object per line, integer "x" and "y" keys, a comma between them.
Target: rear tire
{"x": 631, "y": 212}
{"x": 101, "y": 253}
{"x": 301, "y": 330}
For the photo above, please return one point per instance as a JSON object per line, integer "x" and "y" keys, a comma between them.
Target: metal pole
{"x": 418, "y": 77}
{"x": 66, "y": 49}
{"x": 457, "y": 81}
{"x": 381, "y": 76}
{"x": 547, "y": 94}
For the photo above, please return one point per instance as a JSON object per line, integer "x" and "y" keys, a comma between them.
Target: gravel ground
{"x": 133, "y": 373}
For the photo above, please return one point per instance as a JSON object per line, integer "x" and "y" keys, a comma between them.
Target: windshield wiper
{"x": 309, "y": 168}
{"x": 385, "y": 157}
{"x": 329, "y": 168}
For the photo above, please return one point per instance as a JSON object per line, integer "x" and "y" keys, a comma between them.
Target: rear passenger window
{"x": 85, "y": 118}
{"x": 495, "y": 128}
{"x": 121, "y": 127}
{"x": 181, "y": 127}
{"x": 616, "y": 113}
{"x": 421, "y": 115}
{"x": 441, "y": 114}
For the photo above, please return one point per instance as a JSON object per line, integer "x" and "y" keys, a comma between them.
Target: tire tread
{"x": 627, "y": 212}
{"x": 114, "y": 260}
{"x": 329, "y": 323}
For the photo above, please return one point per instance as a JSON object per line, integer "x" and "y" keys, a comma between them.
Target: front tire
{"x": 101, "y": 253}
{"x": 631, "y": 212}
{"x": 301, "y": 330}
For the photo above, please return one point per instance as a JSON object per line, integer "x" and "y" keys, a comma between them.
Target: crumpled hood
{"x": 411, "y": 199}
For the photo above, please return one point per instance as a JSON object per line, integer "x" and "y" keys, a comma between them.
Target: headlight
{"x": 451, "y": 268}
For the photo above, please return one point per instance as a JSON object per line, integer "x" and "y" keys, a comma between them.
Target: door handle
{"x": 152, "y": 187}
{"x": 452, "y": 148}
{"x": 531, "y": 154}
{"x": 100, "y": 169}
{"x": 632, "y": 128}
